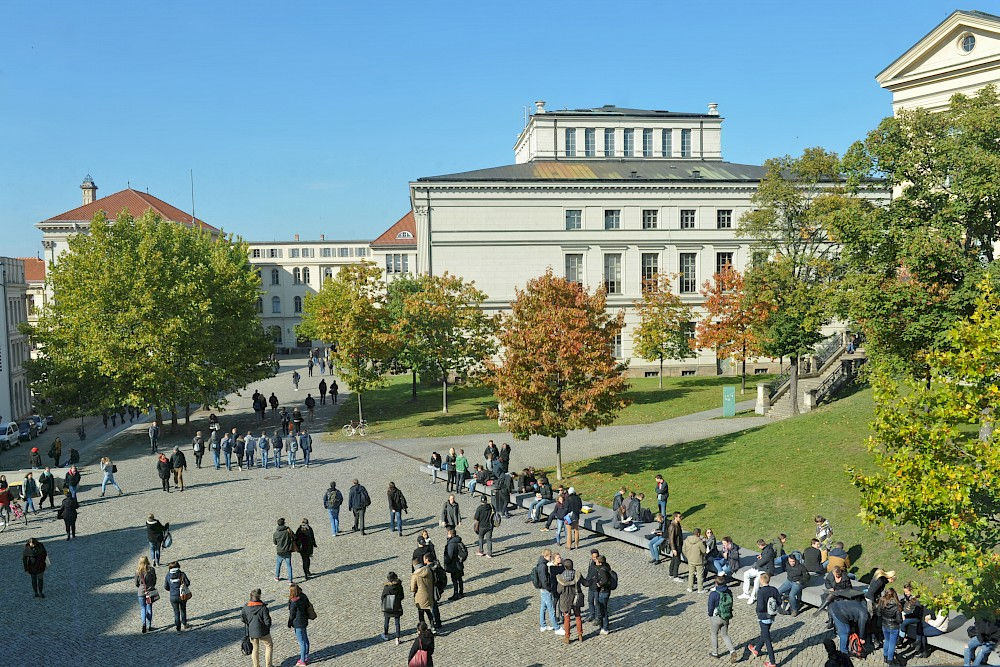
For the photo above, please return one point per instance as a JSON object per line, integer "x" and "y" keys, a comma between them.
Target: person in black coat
{"x": 298, "y": 619}
{"x": 178, "y": 462}
{"x": 155, "y": 533}
{"x": 397, "y": 505}
{"x": 423, "y": 642}
{"x": 392, "y": 604}
{"x": 258, "y": 621}
{"x": 305, "y": 540}
{"x": 358, "y": 501}
{"x": 455, "y": 553}
{"x": 163, "y": 470}
{"x": 67, "y": 512}
{"x": 174, "y": 580}
{"x": 33, "y": 561}
{"x": 47, "y": 485}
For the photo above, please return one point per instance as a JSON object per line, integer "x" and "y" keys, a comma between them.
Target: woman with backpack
{"x": 179, "y": 587}
{"x": 198, "y": 447}
{"x": 392, "y": 604}
{"x": 890, "y": 614}
{"x": 720, "y": 612}
{"x": 300, "y": 612}
{"x": 570, "y": 586}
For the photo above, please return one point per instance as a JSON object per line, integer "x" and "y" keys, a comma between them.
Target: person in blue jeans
{"x": 984, "y": 633}
{"x": 298, "y": 620}
{"x": 155, "y": 533}
{"x": 603, "y": 592}
{"x": 662, "y": 494}
{"x": 145, "y": 581}
{"x": 890, "y": 613}
{"x": 797, "y": 577}
{"x": 332, "y": 500}
{"x": 765, "y": 619}
{"x": 227, "y": 450}
{"x": 657, "y": 539}
{"x": 306, "y": 445}
{"x": 284, "y": 541}
{"x": 845, "y": 614}
{"x": 542, "y": 581}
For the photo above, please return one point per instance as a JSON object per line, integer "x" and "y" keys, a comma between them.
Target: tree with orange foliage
{"x": 557, "y": 372}
{"x": 730, "y": 318}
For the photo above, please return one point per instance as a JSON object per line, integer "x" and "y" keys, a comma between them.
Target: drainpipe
{"x": 555, "y": 138}
{"x": 701, "y": 138}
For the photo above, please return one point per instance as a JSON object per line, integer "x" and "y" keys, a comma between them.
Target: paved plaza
{"x": 222, "y": 527}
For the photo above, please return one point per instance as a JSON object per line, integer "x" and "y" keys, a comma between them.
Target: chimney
{"x": 713, "y": 108}
{"x": 89, "y": 190}
{"x": 540, "y": 106}
{"x": 322, "y": 237}
{"x": 296, "y": 237}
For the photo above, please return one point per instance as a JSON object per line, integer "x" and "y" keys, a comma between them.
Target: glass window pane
{"x": 570, "y": 142}
{"x": 667, "y": 143}
{"x": 612, "y": 218}
{"x": 689, "y": 277}
{"x": 629, "y": 142}
{"x": 613, "y": 274}
{"x": 590, "y": 141}
{"x": 609, "y": 142}
{"x": 574, "y": 219}
{"x": 647, "y": 142}
{"x": 650, "y": 218}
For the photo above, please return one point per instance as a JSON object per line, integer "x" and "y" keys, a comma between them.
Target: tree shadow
{"x": 213, "y": 554}
{"x": 693, "y": 509}
{"x": 633, "y": 608}
{"x": 347, "y": 567}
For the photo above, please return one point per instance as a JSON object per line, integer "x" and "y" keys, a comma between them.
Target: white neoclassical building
{"x": 604, "y": 196}
{"x": 15, "y": 395}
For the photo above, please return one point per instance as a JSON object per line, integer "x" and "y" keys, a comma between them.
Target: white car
{"x": 39, "y": 423}
{"x": 9, "y": 434}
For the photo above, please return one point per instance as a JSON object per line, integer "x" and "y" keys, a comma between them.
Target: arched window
{"x": 297, "y": 304}
{"x": 275, "y": 304}
{"x": 274, "y": 277}
{"x": 260, "y": 305}
{"x": 327, "y": 273}
{"x": 305, "y": 275}
{"x": 296, "y": 275}
{"x": 404, "y": 235}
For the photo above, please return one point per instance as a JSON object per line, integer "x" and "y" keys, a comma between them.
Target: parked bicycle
{"x": 356, "y": 428}
{"x": 12, "y": 514}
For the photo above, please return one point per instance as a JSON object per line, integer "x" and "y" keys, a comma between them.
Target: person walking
{"x": 240, "y": 448}
{"x": 422, "y": 585}
{"x": 163, "y": 470}
{"x": 305, "y": 542}
{"x": 675, "y": 543}
{"x": 662, "y": 494}
{"x": 198, "y": 447}
{"x": 541, "y": 580}
{"x": 108, "y": 469}
{"x": 310, "y": 404}
{"x": 451, "y": 515}
{"x": 145, "y": 584}
{"x": 292, "y": 445}
{"x": 392, "y": 604}
{"x": 295, "y": 379}
{"x": 332, "y": 500}
{"x": 299, "y": 611}
{"x": 29, "y": 490}
{"x": 306, "y": 445}
{"x": 720, "y": 612}
{"x": 68, "y": 513}
{"x": 322, "y": 392}
{"x": 334, "y": 388}
{"x": 694, "y": 552}
{"x": 455, "y": 553}
{"x": 570, "y": 586}
{"x": 277, "y": 442}
{"x": 179, "y": 587}
{"x": 264, "y": 444}
{"x": 297, "y": 419}
{"x": 397, "y": 505}
{"x": 178, "y": 464}
{"x": 890, "y": 613}
{"x": 422, "y": 645}
{"x": 357, "y": 502}
{"x": 502, "y": 489}
{"x": 273, "y": 402}
{"x": 72, "y": 480}
{"x": 310, "y": 365}
{"x": 250, "y": 441}
{"x": 33, "y": 559}
{"x": 257, "y": 619}
{"x": 215, "y": 444}
{"x": 768, "y": 602}
{"x": 47, "y": 485}
{"x": 55, "y": 451}
{"x": 449, "y": 464}
{"x": 284, "y": 544}
{"x": 461, "y": 470}
{"x": 154, "y": 436}
{"x": 34, "y": 459}
{"x": 156, "y": 532}
{"x": 484, "y": 527}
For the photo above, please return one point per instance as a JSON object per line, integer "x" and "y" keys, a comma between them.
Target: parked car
{"x": 51, "y": 419}
{"x": 40, "y": 425}
{"x": 9, "y": 435}
{"x": 27, "y": 430}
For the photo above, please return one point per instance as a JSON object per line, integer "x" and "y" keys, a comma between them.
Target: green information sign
{"x": 729, "y": 401}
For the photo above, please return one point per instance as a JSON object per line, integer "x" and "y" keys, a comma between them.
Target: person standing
{"x": 449, "y": 464}
{"x": 72, "y": 480}
{"x": 824, "y": 533}
{"x": 258, "y": 621}
{"x": 216, "y": 446}
{"x": 34, "y": 459}
{"x": 305, "y": 541}
{"x": 332, "y": 500}
{"x": 251, "y": 449}
{"x": 322, "y": 392}
{"x": 570, "y": 588}
{"x": 178, "y": 585}
{"x": 29, "y": 489}
{"x": 241, "y": 449}
{"x": 455, "y": 554}
{"x": 292, "y": 445}
{"x": 155, "y": 534}
{"x": 662, "y": 494}
{"x": 68, "y": 510}
{"x": 55, "y": 451}
{"x": 451, "y": 516}
{"x": 310, "y": 404}
{"x": 163, "y": 472}
{"x": 542, "y": 581}
{"x": 198, "y": 447}
{"x": 768, "y": 602}
{"x": 675, "y": 543}
{"x": 694, "y": 552}
{"x": 178, "y": 463}
{"x": 484, "y": 527}
{"x": 297, "y": 419}
{"x": 720, "y": 612}
{"x": 298, "y": 619}
{"x": 590, "y": 581}
{"x": 890, "y": 613}
{"x": 423, "y": 643}
{"x": 502, "y": 489}
{"x": 310, "y": 365}
{"x": 461, "y": 469}
{"x": 422, "y": 584}
{"x": 357, "y": 502}
{"x": 284, "y": 544}
{"x": 264, "y": 443}
{"x": 277, "y": 442}
{"x": 397, "y": 505}
{"x": 47, "y": 485}
{"x": 273, "y": 402}
{"x": 334, "y": 388}
{"x": 392, "y": 604}
{"x": 295, "y": 379}
{"x": 306, "y": 445}
{"x": 108, "y": 469}
{"x": 33, "y": 560}
{"x": 145, "y": 583}
{"x": 154, "y": 436}
{"x": 607, "y": 581}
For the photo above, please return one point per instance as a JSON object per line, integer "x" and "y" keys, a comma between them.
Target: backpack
{"x": 495, "y": 518}
{"x": 772, "y": 606}
{"x": 613, "y": 576}
{"x": 725, "y": 608}
{"x": 440, "y": 580}
{"x": 463, "y": 553}
{"x": 855, "y": 646}
{"x": 536, "y": 581}
{"x": 646, "y": 516}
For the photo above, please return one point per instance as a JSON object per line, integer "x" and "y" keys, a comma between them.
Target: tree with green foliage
{"x": 350, "y": 311}
{"x": 912, "y": 267}
{"x": 407, "y": 352}
{"x": 937, "y": 484}
{"x": 557, "y": 371}
{"x": 445, "y": 327}
{"x": 663, "y": 320}
{"x": 149, "y": 312}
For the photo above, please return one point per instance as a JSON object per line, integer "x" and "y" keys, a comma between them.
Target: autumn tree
{"x": 731, "y": 320}
{"x": 937, "y": 486}
{"x": 407, "y": 352}
{"x": 557, "y": 371}
{"x": 350, "y": 309}
{"x": 663, "y": 320}
{"x": 149, "y": 312}
{"x": 445, "y": 327}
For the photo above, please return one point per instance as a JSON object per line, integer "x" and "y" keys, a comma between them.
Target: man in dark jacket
{"x": 797, "y": 579}
{"x": 322, "y": 392}
{"x": 424, "y": 546}
{"x": 591, "y": 583}
{"x": 502, "y": 489}
{"x": 397, "y": 505}
{"x": 763, "y": 565}
{"x": 541, "y": 581}
{"x": 812, "y": 558}
{"x": 484, "y": 527}
{"x": 984, "y": 635}
{"x": 455, "y": 553}
{"x": 258, "y": 621}
{"x": 767, "y": 598}
{"x": 574, "y": 506}
{"x": 847, "y": 613}
{"x": 155, "y": 532}
{"x": 604, "y": 585}
{"x": 332, "y": 500}
{"x": 284, "y": 544}
{"x": 358, "y": 501}
{"x": 675, "y": 543}
{"x": 72, "y": 480}
{"x": 179, "y": 464}
{"x": 47, "y": 486}
{"x": 451, "y": 516}
{"x": 154, "y": 436}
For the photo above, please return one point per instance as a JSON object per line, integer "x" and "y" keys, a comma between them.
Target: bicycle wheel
{"x": 362, "y": 429}
{"x": 348, "y": 431}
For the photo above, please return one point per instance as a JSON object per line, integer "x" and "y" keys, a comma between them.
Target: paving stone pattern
{"x": 222, "y": 527}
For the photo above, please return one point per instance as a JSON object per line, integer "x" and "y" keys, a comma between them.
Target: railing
{"x": 778, "y": 382}
{"x": 827, "y": 349}
{"x": 837, "y": 379}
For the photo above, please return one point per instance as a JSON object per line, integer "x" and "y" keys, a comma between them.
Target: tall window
{"x": 689, "y": 274}
{"x": 570, "y": 142}
{"x": 574, "y": 269}
{"x": 612, "y": 218}
{"x": 590, "y": 142}
{"x": 260, "y": 305}
{"x": 723, "y": 260}
{"x": 609, "y": 142}
{"x": 343, "y": 252}
{"x": 724, "y": 218}
{"x": 574, "y": 218}
{"x": 308, "y": 252}
{"x": 327, "y": 273}
{"x": 647, "y": 142}
{"x": 274, "y": 252}
{"x": 397, "y": 263}
{"x": 613, "y": 274}
{"x": 293, "y": 252}
{"x": 255, "y": 253}
{"x": 275, "y": 277}
{"x": 667, "y": 143}
{"x": 275, "y": 304}
{"x": 650, "y": 269}
{"x": 687, "y": 218}
{"x": 685, "y": 143}
{"x": 326, "y": 252}
{"x": 629, "y": 142}
{"x": 650, "y": 218}
{"x": 305, "y": 275}
{"x": 297, "y": 275}
{"x": 297, "y": 304}
{"x": 616, "y": 347}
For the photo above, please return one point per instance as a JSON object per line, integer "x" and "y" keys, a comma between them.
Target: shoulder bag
{"x": 310, "y": 611}
{"x": 247, "y": 646}
{"x": 152, "y": 595}
{"x": 389, "y": 603}
{"x": 168, "y": 540}
{"x": 185, "y": 593}
{"x": 420, "y": 658}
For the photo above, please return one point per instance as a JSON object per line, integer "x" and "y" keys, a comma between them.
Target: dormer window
{"x": 404, "y": 235}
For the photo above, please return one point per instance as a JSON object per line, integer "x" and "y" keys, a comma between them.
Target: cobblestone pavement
{"x": 222, "y": 527}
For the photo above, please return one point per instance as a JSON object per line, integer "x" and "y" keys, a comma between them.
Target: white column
{"x": 421, "y": 216}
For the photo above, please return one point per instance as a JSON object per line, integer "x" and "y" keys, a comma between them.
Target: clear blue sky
{"x": 312, "y": 117}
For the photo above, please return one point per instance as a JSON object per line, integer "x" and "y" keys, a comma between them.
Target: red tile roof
{"x": 135, "y": 203}
{"x": 390, "y": 237}
{"x": 34, "y": 269}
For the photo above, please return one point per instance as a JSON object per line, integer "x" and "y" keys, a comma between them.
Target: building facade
{"x": 288, "y": 271}
{"x": 395, "y": 250}
{"x": 35, "y": 295}
{"x": 15, "y": 395}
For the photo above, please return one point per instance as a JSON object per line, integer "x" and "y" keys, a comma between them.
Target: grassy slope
{"x": 763, "y": 482}
{"x": 393, "y": 415}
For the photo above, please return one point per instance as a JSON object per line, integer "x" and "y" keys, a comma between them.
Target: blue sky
{"x": 312, "y": 117}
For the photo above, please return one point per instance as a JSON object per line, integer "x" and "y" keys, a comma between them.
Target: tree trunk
{"x": 158, "y": 416}
{"x": 793, "y": 384}
{"x": 558, "y": 458}
{"x": 187, "y": 414}
{"x": 444, "y": 392}
{"x": 360, "y": 416}
{"x": 173, "y": 418}
{"x": 413, "y": 384}
{"x": 743, "y": 382}
{"x": 661, "y": 372}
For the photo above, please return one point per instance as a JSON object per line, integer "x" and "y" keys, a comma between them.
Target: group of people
{"x": 233, "y": 448}
{"x": 43, "y": 488}
{"x": 560, "y": 587}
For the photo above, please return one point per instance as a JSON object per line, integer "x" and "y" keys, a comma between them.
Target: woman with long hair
{"x": 108, "y": 468}
{"x": 424, "y": 642}
{"x": 298, "y": 620}
{"x": 890, "y": 612}
{"x": 145, "y": 583}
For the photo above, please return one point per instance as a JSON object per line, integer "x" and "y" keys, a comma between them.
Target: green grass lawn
{"x": 393, "y": 414}
{"x": 759, "y": 483}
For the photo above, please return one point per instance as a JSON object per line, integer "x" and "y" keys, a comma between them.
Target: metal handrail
{"x": 838, "y": 378}
{"x": 828, "y": 348}
{"x": 778, "y": 382}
